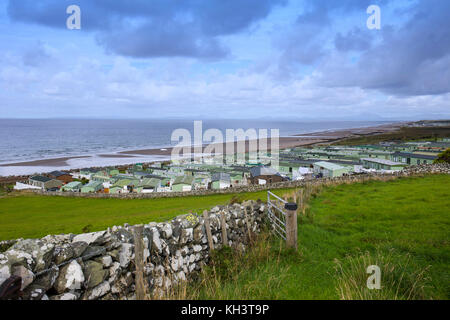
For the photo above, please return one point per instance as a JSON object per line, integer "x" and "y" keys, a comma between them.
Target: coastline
{"x": 141, "y": 155}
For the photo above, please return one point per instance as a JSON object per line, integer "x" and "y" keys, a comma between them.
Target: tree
{"x": 443, "y": 157}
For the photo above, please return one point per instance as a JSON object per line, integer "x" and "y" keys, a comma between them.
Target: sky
{"x": 255, "y": 59}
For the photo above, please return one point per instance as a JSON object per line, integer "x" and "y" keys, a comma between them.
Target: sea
{"x": 37, "y": 139}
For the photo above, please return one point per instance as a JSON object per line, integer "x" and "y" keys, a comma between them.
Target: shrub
{"x": 443, "y": 157}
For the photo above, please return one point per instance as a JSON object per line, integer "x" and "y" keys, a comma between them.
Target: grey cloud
{"x": 356, "y": 40}
{"x": 411, "y": 60}
{"x": 155, "y": 28}
{"x": 156, "y": 40}
{"x": 305, "y": 44}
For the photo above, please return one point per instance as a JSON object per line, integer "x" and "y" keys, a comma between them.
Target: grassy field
{"x": 404, "y": 134}
{"x": 33, "y": 216}
{"x": 403, "y": 226}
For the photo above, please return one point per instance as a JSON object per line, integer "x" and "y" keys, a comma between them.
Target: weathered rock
{"x": 94, "y": 238}
{"x": 125, "y": 254}
{"x": 166, "y": 230}
{"x": 176, "y": 230}
{"x": 174, "y": 263}
{"x": 148, "y": 269}
{"x": 65, "y": 296}
{"x": 188, "y": 220}
{"x": 5, "y": 272}
{"x": 26, "y": 275}
{"x": 122, "y": 286}
{"x": 198, "y": 233}
{"x": 6, "y": 244}
{"x": 184, "y": 251}
{"x": 173, "y": 246}
{"x": 156, "y": 242}
{"x": 97, "y": 292}
{"x": 187, "y": 236}
{"x": 63, "y": 254}
{"x": 123, "y": 235}
{"x": 34, "y": 292}
{"x": 164, "y": 248}
{"x": 114, "y": 254}
{"x": 114, "y": 272}
{"x": 94, "y": 251}
{"x": 70, "y": 277}
{"x": 47, "y": 280}
{"x": 109, "y": 296}
{"x": 14, "y": 257}
{"x": 58, "y": 239}
{"x": 41, "y": 252}
{"x": 146, "y": 253}
{"x": 106, "y": 261}
{"x": 94, "y": 274}
{"x": 78, "y": 248}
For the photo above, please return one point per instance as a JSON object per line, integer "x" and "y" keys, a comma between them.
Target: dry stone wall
{"x": 101, "y": 265}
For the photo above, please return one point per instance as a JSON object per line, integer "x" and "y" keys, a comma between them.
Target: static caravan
{"x": 382, "y": 164}
{"x": 92, "y": 187}
{"x": 183, "y": 184}
{"x": 328, "y": 169}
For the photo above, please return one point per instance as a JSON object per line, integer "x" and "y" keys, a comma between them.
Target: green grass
{"x": 34, "y": 216}
{"x": 403, "y": 225}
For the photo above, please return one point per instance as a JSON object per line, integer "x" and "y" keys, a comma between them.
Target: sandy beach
{"x": 284, "y": 142}
{"x": 55, "y": 162}
{"x": 296, "y": 140}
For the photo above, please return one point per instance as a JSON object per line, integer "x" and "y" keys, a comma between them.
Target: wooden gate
{"x": 283, "y": 218}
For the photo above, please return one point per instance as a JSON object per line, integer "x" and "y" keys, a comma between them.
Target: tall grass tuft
{"x": 228, "y": 265}
{"x": 400, "y": 278}
{"x": 225, "y": 271}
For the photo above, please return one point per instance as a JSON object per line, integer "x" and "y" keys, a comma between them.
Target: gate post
{"x": 291, "y": 225}
{"x": 208, "y": 230}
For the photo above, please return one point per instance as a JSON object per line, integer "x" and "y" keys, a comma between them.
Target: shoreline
{"x": 298, "y": 140}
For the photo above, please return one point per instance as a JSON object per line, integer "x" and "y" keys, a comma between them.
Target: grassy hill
{"x": 403, "y": 134}
{"x": 403, "y": 226}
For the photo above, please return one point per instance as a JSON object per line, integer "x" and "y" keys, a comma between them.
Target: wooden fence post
{"x": 139, "y": 261}
{"x": 302, "y": 206}
{"x": 208, "y": 230}
{"x": 291, "y": 225}
{"x": 223, "y": 222}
